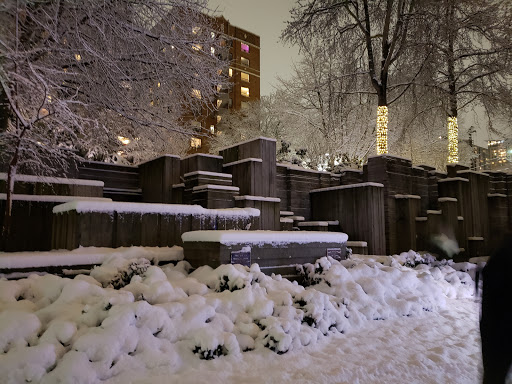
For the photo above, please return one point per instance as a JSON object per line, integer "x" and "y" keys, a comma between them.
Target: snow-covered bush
{"x": 83, "y": 330}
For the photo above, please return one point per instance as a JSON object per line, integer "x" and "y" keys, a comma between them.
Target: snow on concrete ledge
{"x": 214, "y": 186}
{"x": 407, "y": 197}
{"x": 52, "y": 180}
{"x": 248, "y": 141}
{"x": 53, "y": 198}
{"x": 313, "y": 224}
{"x": 255, "y": 159}
{"x": 443, "y": 199}
{"x": 202, "y": 154}
{"x": 452, "y": 179}
{"x": 176, "y": 209}
{"x": 258, "y": 198}
{"x": 207, "y": 173}
{"x": 496, "y": 195}
{"x": 85, "y": 256}
{"x": 369, "y": 184}
{"x": 264, "y": 237}
{"x": 464, "y": 171}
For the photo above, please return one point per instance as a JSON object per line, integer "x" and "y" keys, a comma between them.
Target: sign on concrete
{"x": 242, "y": 257}
{"x": 335, "y": 253}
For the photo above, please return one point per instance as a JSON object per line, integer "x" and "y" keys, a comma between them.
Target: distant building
{"x": 496, "y": 157}
{"x": 244, "y": 76}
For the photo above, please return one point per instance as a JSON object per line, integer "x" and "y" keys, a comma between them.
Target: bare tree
{"x": 78, "y": 76}
{"x": 374, "y": 37}
{"x": 471, "y": 61}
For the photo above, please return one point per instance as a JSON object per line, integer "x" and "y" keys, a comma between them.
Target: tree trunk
{"x": 382, "y": 122}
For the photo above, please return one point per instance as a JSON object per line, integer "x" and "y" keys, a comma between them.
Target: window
{"x": 244, "y": 61}
{"x": 219, "y": 118}
{"x": 230, "y": 72}
{"x": 244, "y": 105}
{"x": 212, "y": 129}
{"x": 196, "y": 125}
{"x": 196, "y": 30}
{"x": 197, "y": 47}
{"x": 245, "y": 47}
{"x": 244, "y": 76}
{"x": 219, "y": 103}
{"x": 196, "y": 93}
{"x": 212, "y": 50}
{"x": 244, "y": 91}
{"x": 195, "y": 142}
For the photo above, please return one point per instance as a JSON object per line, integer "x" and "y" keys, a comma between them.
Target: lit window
{"x": 212, "y": 129}
{"x": 195, "y": 142}
{"x": 230, "y": 72}
{"x": 197, "y": 47}
{"x": 195, "y": 30}
{"x": 78, "y": 57}
{"x": 244, "y": 61}
{"x": 158, "y": 84}
{"x": 212, "y": 50}
{"x": 244, "y": 91}
{"x": 244, "y": 76}
{"x": 219, "y": 103}
{"x": 196, "y": 93}
{"x": 245, "y": 47}
{"x": 123, "y": 140}
{"x": 219, "y": 118}
{"x": 219, "y": 87}
{"x": 212, "y": 34}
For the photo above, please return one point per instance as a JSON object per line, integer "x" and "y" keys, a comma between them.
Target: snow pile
{"x": 130, "y": 318}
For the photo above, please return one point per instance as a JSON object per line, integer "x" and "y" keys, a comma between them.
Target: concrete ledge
{"x": 270, "y": 250}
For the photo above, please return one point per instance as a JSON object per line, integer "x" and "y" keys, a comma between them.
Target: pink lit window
{"x": 245, "y": 47}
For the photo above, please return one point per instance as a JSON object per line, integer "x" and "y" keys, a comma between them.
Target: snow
{"x": 258, "y": 198}
{"x": 285, "y": 213}
{"x": 380, "y": 320}
{"x": 359, "y": 185}
{"x": 452, "y": 179}
{"x": 407, "y": 197}
{"x": 296, "y": 218}
{"x": 299, "y": 168}
{"x": 285, "y": 220}
{"x": 204, "y": 155}
{"x": 216, "y": 187}
{"x": 85, "y": 256}
{"x": 473, "y": 172}
{"x": 264, "y": 237}
{"x": 433, "y": 212}
{"x": 421, "y": 218}
{"x": 52, "y": 180}
{"x": 357, "y": 244}
{"x": 176, "y": 209}
{"x": 156, "y": 158}
{"x": 248, "y": 141}
{"x": 445, "y": 199}
{"x": 52, "y": 198}
{"x": 496, "y": 195}
{"x": 253, "y": 159}
{"x": 313, "y": 224}
{"x": 206, "y": 173}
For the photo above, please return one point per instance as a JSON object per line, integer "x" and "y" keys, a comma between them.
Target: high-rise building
{"x": 243, "y": 48}
{"x": 496, "y": 157}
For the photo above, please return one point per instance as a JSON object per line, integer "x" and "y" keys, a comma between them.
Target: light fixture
{"x": 382, "y": 130}
{"x": 453, "y": 140}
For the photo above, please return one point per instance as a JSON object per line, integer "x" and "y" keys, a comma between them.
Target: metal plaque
{"x": 241, "y": 257}
{"x": 335, "y": 253}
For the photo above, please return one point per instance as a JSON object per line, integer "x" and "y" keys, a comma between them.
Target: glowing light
{"x": 453, "y": 140}
{"x": 78, "y": 57}
{"x": 195, "y": 142}
{"x": 382, "y": 130}
{"x": 123, "y": 140}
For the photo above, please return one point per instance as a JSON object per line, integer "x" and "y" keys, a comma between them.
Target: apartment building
{"x": 496, "y": 157}
{"x": 244, "y": 79}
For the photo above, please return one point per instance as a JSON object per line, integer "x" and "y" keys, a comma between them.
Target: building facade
{"x": 496, "y": 157}
{"x": 243, "y": 48}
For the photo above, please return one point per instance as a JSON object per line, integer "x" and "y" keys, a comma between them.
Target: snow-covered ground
{"x": 363, "y": 320}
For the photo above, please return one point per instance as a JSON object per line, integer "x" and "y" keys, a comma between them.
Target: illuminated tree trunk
{"x": 382, "y": 129}
{"x": 382, "y": 120}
